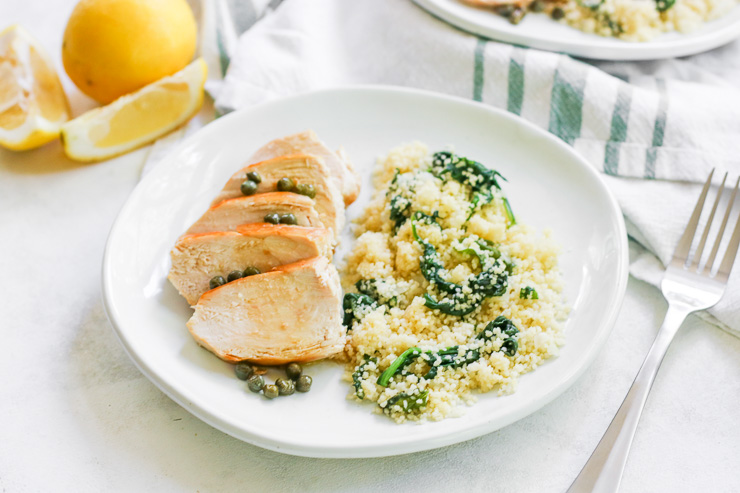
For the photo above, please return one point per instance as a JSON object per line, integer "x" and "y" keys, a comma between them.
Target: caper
{"x": 306, "y": 189}
{"x": 285, "y": 184}
{"x": 271, "y": 391}
{"x": 254, "y": 176}
{"x": 216, "y": 282}
{"x": 505, "y": 10}
{"x": 243, "y": 370}
{"x": 557, "y": 13}
{"x": 288, "y": 219}
{"x": 251, "y": 271}
{"x": 516, "y": 16}
{"x": 285, "y": 387}
{"x": 273, "y": 218}
{"x": 255, "y": 383}
{"x": 294, "y": 371}
{"x": 538, "y": 6}
{"x": 234, "y": 275}
{"x": 249, "y": 187}
{"x": 304, "y": 383}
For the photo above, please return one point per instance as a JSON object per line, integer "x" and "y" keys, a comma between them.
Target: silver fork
{"x": 688, "y": 285}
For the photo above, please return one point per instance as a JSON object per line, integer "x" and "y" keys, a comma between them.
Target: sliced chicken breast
{"x": 196, "y": 259}
{"x": 229, "y": 214}
{"x": 292, "y": 313}
{"x": 341, "y": 168}
{"x": 301, "y": 168}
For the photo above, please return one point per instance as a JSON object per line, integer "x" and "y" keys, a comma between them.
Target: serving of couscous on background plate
{"x": 642, "y": 20}
{"x": 630, "y": 20}
{"x": 451, "y": 294}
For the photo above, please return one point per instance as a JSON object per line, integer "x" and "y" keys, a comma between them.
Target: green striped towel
{"x": 654, "y": 129}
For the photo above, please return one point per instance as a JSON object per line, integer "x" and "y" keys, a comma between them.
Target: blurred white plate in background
{"x": 541, "y": 32}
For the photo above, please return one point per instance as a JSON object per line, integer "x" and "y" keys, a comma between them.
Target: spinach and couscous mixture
{"x": 629, "y": 20}
{"x": 448, "y": 294}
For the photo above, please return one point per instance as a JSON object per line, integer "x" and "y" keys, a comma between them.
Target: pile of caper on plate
{"x": 282, "y": 386}
{"x": 284, "y": 184}
{"x": 217, "y": 281}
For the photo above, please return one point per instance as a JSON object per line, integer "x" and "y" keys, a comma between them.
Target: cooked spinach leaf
{"x": 528, "y": 293}
{"x": 450, "y": 357}
{"x": 510, "y": 346}
{"x": 400, "y": 207}
{"x": 371, "y": 288}
{"x": 462, "y": 299}
{"x": 400, "y": 204}
{"x": 481, "y": 180}
{"x": 460, "y": 303}
{"x": 483, "y": 246}
{"x": 430, "y": 264}
{"x": 426, "y": 218}
{"x": 357, "y": 375}
{"x": 472, "y": 173}
{"x": 406, "y": 358}
{"x": 509, "y": 212}
{"x": 354, "y": 305}
{"x": 505, "y": 327}
{"x": 407, "y": 402}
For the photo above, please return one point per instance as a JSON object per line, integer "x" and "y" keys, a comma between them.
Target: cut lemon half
{"x": 33, "y": 106}
{"x": 138, "y": 118}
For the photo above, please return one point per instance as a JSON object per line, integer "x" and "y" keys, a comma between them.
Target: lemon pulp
{"x": 161, "y": 106}
{"x": 32, "y": 102}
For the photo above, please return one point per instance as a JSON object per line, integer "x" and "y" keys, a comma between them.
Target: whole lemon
{"x": 114, "y": 47}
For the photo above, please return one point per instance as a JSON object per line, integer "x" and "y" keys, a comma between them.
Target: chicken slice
{"x": 229, "y": 214}
{"x": 301, "y": 168}
{"x": 196, "y": 259}
{"x": 292, "y": 313}
{"x": 341, "y": 168}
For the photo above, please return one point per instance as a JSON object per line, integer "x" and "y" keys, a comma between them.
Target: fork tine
{"x": 703, "y": 241}
{"x": 731, "y": 253}
{"x": 715, "y": 248}
{"x": 684, "y": 245}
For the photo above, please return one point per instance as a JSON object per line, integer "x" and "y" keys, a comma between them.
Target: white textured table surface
{"x": 76, "y": 415}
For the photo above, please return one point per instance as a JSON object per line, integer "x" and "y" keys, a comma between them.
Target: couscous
{"x": 642, "y": 20}
{"x": 630, "y": 20}
{"x": 447, "y": 293}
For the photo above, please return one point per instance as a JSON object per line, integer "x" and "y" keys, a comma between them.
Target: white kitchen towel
{"x": 655, "y": 129}
{"x": 220, "y": 23}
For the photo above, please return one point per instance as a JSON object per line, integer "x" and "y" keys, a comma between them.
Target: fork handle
{"x": 603, "y": 471}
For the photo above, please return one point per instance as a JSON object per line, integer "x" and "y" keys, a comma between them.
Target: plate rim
{"x": 631, "y": 51}
{"x": 409, "y": 445}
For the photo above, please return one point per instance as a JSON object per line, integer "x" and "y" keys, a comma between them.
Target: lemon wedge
{"x": 138, "y": 118}
{"x": 33, "y": 106}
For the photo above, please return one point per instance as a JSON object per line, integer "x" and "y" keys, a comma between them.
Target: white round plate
{"x": 549, "y": 187}
{"x": 541, "y": 32}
